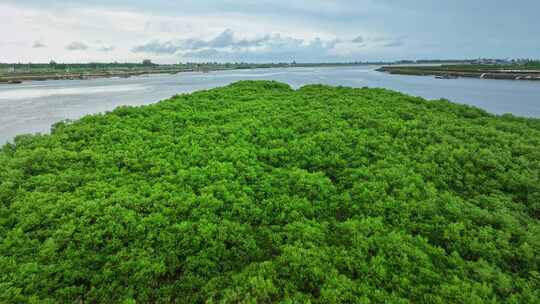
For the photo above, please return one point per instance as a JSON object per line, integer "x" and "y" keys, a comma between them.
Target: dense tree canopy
{"x": 258, "y": 193}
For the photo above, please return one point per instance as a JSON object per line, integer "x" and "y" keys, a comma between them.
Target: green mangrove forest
{"x": 258, "y": 193}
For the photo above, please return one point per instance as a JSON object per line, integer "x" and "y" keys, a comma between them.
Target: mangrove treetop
{"x": 259, "y": 193}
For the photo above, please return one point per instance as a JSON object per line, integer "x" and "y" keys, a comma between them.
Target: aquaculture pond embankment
{"x": 445, "y": 72}
{"x": 91, "y": 75}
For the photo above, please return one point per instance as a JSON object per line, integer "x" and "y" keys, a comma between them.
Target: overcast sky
{"x": 264, "y": 31}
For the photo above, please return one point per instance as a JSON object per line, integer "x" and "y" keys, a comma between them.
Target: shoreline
{"x": 531, "y": 75}
{"x": 86, "y": 76}
{"x": 18, "y": 79}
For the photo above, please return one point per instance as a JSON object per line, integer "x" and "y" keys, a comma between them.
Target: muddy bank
{"x": 72, "y": 76}
{"x": 487, "y": 74}
{"x": 92, "y": 74}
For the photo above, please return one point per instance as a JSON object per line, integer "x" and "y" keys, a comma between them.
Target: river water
{"x": 34, "y": 106}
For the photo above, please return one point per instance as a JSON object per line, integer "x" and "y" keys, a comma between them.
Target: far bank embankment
{"x": 445, "y": 73}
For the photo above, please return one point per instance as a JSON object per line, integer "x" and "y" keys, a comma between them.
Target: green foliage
{"x": 257, "y": 193}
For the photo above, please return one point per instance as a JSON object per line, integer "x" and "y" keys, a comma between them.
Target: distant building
{"x": 490, "y": 61}
{"x": 147, "y": 62}
{"x": 11, "y": 69}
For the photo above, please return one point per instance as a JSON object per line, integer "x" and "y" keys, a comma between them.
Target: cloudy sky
{"x": 169, "y": 31}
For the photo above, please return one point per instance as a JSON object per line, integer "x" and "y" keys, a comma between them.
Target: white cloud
{"x": 106, "y": 49}
{"x": 37, "y": 45}
{"x": 366, "y": 29}
{"x": 358, "y": 39}
{"x": 77, "y": 46}
{"x": 157, "y": 47}
{"x": 229, "y": 46}
{"x": 137, "y": 30}
{"x": 394, "y": 43}
{"x": 146, "y": 33}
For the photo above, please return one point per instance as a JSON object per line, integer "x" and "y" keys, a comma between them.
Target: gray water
{"x": 34, "y": 106}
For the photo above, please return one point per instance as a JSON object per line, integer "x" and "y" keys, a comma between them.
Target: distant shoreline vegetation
{"x": 17, "y": 73}
{"x": 509, "y": 71}
{"x": 11, "y": 73}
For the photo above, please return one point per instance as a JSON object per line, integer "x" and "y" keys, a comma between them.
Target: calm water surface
{"x": 34, "y": 106}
